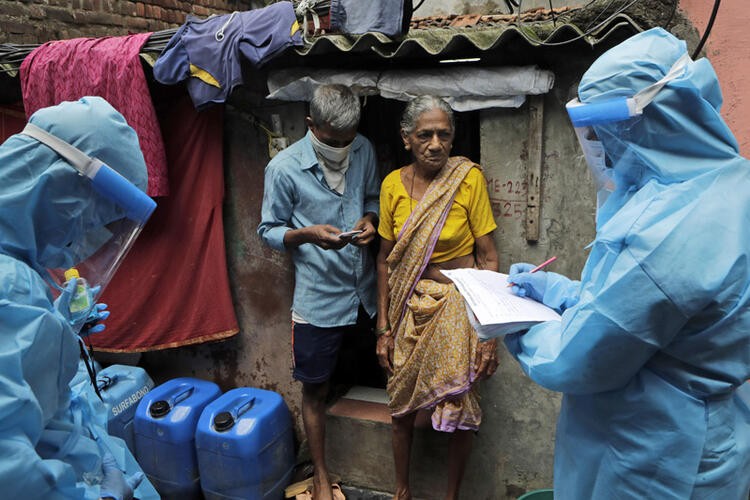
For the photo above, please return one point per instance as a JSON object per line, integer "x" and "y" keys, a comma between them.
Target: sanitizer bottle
{"x": 82, "y": 299}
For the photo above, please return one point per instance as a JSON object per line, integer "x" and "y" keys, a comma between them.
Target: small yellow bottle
{"x": 80, "y": 303}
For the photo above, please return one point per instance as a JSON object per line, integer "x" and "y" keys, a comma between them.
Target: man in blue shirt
{"x": 324, "y": 185}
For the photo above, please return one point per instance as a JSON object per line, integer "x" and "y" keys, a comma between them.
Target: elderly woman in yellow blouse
{"x": 434, "y": 214}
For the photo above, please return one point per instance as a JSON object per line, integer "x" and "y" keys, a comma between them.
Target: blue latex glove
{"x": 551, "y": 289}
{"x": 114, "y": 483}
{"x": 93, "y": 323}
{"x": 526, "y": 284}
{"x": 62, "y": 303}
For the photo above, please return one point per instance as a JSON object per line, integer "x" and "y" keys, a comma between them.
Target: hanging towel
{"x": 172, "y": 289}
{"x": 209, "y": 52}
{"x": 108, "y": 67}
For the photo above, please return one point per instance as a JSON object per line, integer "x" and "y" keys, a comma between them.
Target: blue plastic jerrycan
{"x": 245, "y": 447}
{"x": 122, "y": 387}
{"x": 165, "y": 423}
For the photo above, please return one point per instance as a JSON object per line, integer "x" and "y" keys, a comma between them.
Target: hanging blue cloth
{"x": 208, "y": 52}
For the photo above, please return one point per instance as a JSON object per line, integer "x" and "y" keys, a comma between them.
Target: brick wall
{"x": 38, "y": 21}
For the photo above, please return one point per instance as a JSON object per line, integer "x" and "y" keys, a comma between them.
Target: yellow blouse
{"x": 469, "y": 217}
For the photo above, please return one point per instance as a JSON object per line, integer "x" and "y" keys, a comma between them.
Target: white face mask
{"x": 593, "y": 152}
{"x": 336, "y": 158}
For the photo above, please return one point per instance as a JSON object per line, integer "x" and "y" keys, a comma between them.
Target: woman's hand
{"x": 384, "y": 350}
{"x": 486, "y": 362}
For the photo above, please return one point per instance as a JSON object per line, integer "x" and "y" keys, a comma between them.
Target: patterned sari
{"x": 435, "y": 345}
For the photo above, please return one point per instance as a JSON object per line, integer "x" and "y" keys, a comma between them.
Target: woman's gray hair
{"x": 335, "y": 105}
{"x": 422, "y": 104}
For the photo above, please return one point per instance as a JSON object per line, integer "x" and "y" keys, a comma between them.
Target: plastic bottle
{"x": 82, "y": 299}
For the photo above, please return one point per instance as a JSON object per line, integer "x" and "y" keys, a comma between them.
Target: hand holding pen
{"x": 527, "y": 281}
{"x": 537, "y": 268}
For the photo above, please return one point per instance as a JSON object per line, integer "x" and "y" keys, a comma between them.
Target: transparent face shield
{"x": 109, "y": 230}
{"x": 584, "y": 116}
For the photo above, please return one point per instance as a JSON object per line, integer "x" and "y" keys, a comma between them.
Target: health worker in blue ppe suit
{"x": 655, "y": 337}
{"x": 72, "y": 194}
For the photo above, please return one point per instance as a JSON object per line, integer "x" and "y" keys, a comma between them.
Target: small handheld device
{"x": 349, "y": 234}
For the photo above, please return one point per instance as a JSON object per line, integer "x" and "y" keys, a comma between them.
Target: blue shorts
{"x": 316, "y": 349}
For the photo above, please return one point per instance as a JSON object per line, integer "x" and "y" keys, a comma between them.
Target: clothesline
{"x": 12, "y": 55}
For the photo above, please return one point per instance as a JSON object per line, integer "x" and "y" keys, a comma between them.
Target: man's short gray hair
{"x": 422, "y": 104}
{"x": 335, "y": 105}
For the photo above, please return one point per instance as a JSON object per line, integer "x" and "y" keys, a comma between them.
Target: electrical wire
{"x": 552, "y": 10}
{"x": 710, "y": 25}
{"x": 601, "y": 12}
{"x": 586, "y": 32}
{"x": 418, "y": 6}
{"x": 671, "y": 15}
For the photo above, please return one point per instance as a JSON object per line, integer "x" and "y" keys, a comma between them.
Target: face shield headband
{"x": 101, "y": 245}
{"x": 585, "y": 115}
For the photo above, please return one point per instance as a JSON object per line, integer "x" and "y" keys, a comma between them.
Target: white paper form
{"x": 498, "y": 311}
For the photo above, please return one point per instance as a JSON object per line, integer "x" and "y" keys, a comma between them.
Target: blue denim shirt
{"x": 329, "y": 284}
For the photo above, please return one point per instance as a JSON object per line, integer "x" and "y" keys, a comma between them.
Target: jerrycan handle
{"x": 181, "y": 396}
{"x": 224, "y": 420}
{"x": 105, "y": 381}
{"x": 242, "y": 408}
{"x": 160, "y": 408}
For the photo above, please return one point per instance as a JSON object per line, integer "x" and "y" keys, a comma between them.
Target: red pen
{"x": 540, "y": 266}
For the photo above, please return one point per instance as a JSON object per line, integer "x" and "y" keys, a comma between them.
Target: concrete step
{"x": 358, "y": 446}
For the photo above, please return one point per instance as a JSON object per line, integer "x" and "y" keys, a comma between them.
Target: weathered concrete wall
{"x": 520, "y": 416}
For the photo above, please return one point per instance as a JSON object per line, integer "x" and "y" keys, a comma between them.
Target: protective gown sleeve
{"x": 621, "y": 319}
{"x": 34, "y": 354}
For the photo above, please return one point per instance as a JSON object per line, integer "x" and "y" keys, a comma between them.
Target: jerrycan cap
{"x": 223, "y": 421}
{"x": 159, "y": 408}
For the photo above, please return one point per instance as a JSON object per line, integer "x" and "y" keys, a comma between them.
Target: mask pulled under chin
{"x": 335, "y": 158}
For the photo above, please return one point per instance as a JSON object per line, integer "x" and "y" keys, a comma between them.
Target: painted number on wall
{"x": 507, "y": 196}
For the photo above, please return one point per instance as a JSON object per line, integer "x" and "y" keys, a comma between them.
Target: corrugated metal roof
{"x": 442, "y": 36}
{"x": 448, "y": 35}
